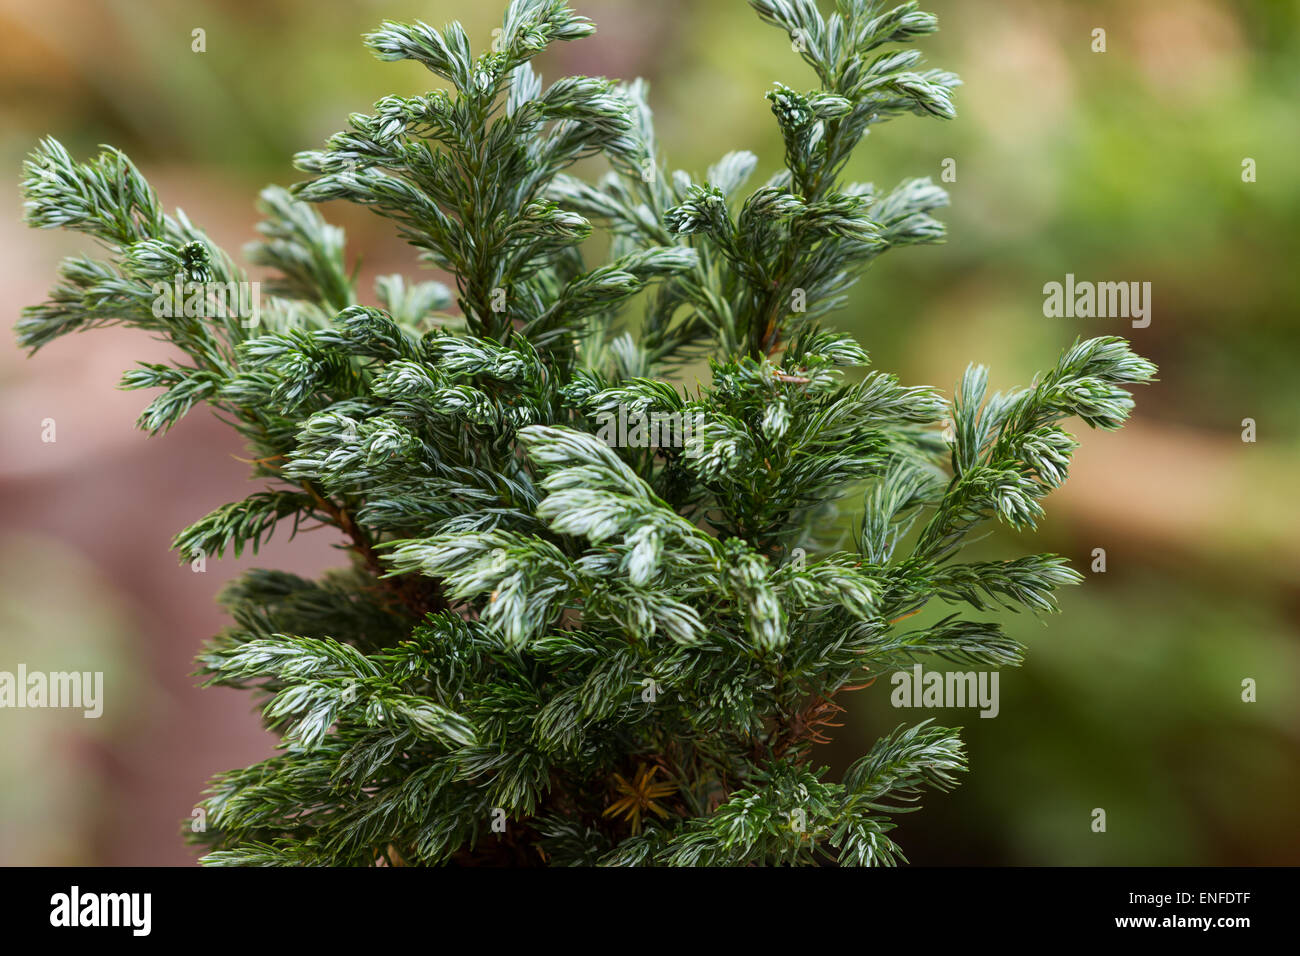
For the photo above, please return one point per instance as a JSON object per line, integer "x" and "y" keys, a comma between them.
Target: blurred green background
{"x": 1117, "y": 166}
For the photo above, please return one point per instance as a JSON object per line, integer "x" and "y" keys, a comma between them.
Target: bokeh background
{"x": 1117, "y": 166}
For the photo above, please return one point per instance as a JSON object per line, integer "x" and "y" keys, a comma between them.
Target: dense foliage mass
{"x": 562, "y": 642}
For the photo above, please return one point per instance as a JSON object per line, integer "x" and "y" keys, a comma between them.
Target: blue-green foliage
{"x": 534, "y": 617}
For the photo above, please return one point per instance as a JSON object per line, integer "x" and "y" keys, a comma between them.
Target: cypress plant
{"x": 594, "y": 614}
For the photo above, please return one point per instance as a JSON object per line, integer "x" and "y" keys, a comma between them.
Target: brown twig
{"x": 808, "y": 723}
{"x": 904, "y": 617}
{"x": 417, "y": 595}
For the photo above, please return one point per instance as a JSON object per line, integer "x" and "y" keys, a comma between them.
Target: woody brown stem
{"x": 417, "y": 595}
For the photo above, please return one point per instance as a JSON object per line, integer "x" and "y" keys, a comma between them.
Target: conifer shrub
{"x": 594, "y": 614}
